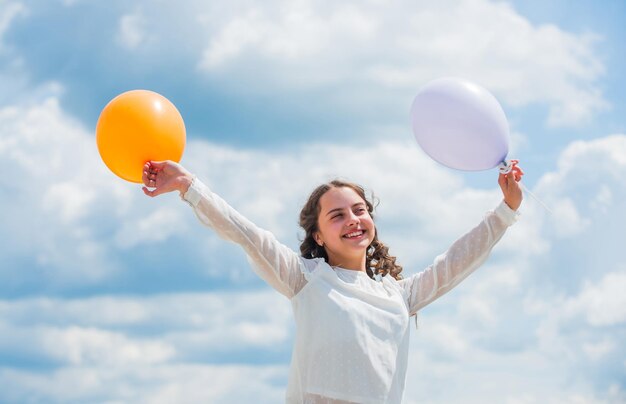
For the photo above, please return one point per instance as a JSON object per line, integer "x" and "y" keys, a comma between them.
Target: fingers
{"x": 157, "y": 165}
{"x": 152, "y": 193}
{"x": 510, "y": 178}
{"x": 148, "y": 192}
{"x": 517, "y": 173}
{"x": 149, "y": 176}
{"x": 503, "y": 183}
{"x": 144, "y": 176}
{"x": 502, "y": 180}
{"x": 154, "y": 166}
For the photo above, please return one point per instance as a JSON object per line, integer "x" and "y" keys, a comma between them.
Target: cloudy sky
{"x": 109, "y": 296}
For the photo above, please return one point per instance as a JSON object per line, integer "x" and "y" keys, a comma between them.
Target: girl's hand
{"x": 511, "y": 190}
{"x": 165, "y": 176}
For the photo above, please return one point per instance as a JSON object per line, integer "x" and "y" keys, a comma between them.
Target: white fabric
{"x": 352, "y": 333}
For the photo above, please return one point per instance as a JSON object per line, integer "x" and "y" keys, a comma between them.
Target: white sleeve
{"x": 461, "y": 259}
{"x": 278, "y": 265}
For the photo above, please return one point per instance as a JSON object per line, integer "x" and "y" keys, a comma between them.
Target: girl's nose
{"x": 352, "y": 219}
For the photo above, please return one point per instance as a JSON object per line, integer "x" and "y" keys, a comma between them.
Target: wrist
{"x": 513, "y": 205}
{"x": 185, "y": 183}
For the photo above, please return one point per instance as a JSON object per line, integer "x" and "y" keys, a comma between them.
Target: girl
{"x": 351, "y": 304}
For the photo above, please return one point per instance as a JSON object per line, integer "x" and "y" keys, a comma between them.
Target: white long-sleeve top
{"x": 352, "y": 332}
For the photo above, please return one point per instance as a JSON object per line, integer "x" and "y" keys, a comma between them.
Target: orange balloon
{"x": 139, "y": 126}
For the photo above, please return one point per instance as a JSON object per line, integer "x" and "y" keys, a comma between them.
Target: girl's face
{"x": 346, "y": 228}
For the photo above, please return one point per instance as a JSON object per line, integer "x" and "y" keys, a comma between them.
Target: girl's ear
{"x": 318, "y": 239}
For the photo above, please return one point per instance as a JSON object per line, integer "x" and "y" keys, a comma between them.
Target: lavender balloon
{"x": 460, "y": 124}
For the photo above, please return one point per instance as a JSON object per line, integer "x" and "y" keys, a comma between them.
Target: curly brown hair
{"x": 377, "y": 261}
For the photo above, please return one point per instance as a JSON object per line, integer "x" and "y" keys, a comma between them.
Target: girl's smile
{"x": 355, "y": 235}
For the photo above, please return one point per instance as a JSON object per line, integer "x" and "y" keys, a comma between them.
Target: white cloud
{"x": 70, "y": 3}
{"x": 131, "y": 32}
{"x": 300, "y": 32}
{"x": 480, "y": 375}
{"x": 370, "y": 49}
{"x": 567, "y": 219}
{"x": 9, "y": 11}
{"x": 154, "y": 227}
{"x": 602, "y": 303}
{"x": 54, "y": 184}
{"x": 596, "y": 350}
{"x": 184, "y": 383}
{"x": 79, "y": 346}
{"x": 144, "y": 349}
{"x": 68, "y": 200}
{"x": 184, "y": 322}
{"x": 580, "y": 154}
{"x": 587, "y": 185}
{"x": 603, "y": 200}
{"x": 76, "y": 345}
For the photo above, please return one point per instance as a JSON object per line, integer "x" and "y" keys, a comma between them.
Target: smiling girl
{"x": 351, "y": 305}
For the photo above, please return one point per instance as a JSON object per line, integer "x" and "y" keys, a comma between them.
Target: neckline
{"x": 349, "y": 270}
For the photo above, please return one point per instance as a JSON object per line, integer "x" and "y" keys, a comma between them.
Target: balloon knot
{"x": 505, "y": 167}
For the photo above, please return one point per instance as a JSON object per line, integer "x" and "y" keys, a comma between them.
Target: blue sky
{"x": 108, "y": 296}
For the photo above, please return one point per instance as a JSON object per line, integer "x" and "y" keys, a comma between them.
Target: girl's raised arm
{"x": 467, "y": 253}
{"x": 274, "y": 262}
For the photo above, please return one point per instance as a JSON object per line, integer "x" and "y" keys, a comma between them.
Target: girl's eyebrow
{"x": 340, "y": 209}
{"x": 333, "y": 210}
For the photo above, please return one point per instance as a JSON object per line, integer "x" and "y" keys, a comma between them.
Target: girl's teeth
{"x": 355, "y": 234}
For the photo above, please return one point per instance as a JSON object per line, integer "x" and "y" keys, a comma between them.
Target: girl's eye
{"x": 336, "y": 216}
